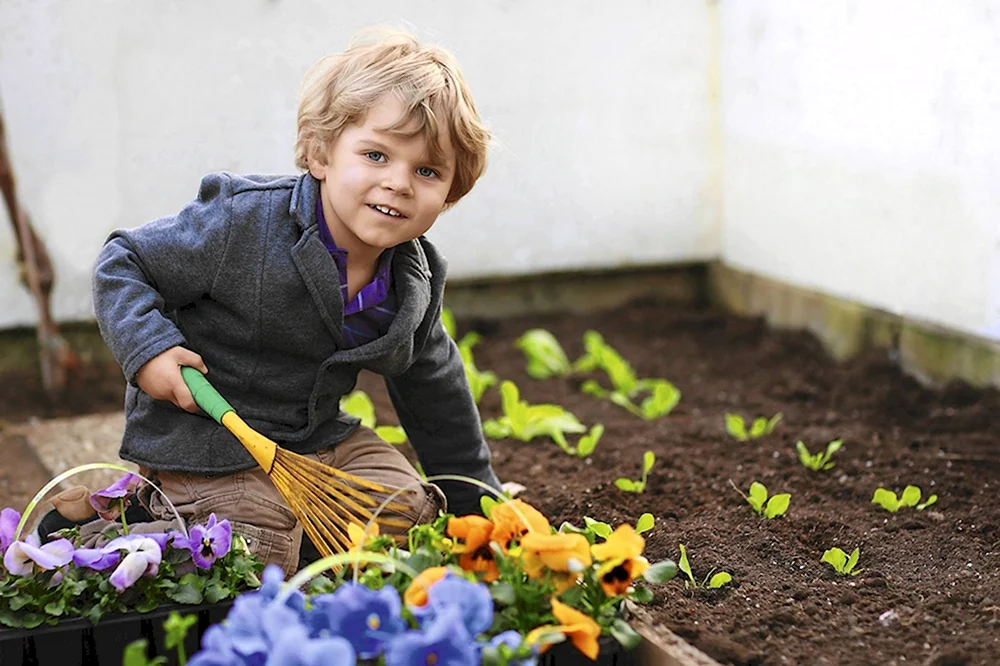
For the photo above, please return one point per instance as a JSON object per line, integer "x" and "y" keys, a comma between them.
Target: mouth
{"x": 386, "y": 210}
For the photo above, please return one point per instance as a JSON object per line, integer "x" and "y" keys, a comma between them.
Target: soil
{"x": 929, "y": 592}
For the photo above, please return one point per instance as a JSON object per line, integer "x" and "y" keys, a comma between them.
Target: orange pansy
{"x": 555, "y": 552}
{"x": 416, "y": 593}
{"x": 578, "y": 627}
{"x": 621, "y": 560}
{"x": 508, "y": 524}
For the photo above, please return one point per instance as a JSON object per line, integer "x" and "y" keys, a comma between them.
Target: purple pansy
{"x": 9, "y": 519}
{"x": 513, "y": 640}
{"x": 142, "y": 558}
{"x": 254, "y": 625}
{"x": 294, "y": 648}
{"x": 365, "y": 617}
{"x": 97, "y": 559}
{"x": 23, "y": 557}
{"x": 444, "y": 643}
{"x": 207, "y": 542}
{"x": 108, "y": 502}
{"x": 472, "y": 600}
{"x": 216, "y": 649}
{"x": 270, "y": 586}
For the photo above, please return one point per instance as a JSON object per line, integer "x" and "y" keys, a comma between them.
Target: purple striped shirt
{"x": 368, "y": 315}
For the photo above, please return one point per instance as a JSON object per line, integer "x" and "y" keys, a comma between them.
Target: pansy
{"x": 270, "y": 586}
{"x": 621, "y": 560}
{"x": 473, "y": 601}
{"x": 578, "y": 627}
{"x": 216, "y": 649}
{"x": 444, "y": 643}
{"x": 508, "y": 524}
{"x": 97, "y": 559}
{"x": 293, "y": 647}
{"x": 512, "y": 641}
{"x": 366, "y": 618}
{"x": 207, "y": 542}
{"x": 254, "y": 625}
{"x": 9, "y": 519}
{"x": 24, "y": 557}
{"x": 359, "y": 538}
{"x": 109, "y": 502}
{"x": 567, "y": 555}
{"x": 142, "y": 558}
{"x": 416, "y": 594}
{"x": 474, "y": 552}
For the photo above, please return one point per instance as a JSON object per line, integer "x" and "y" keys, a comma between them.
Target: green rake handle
{"x": 210, "y": 400}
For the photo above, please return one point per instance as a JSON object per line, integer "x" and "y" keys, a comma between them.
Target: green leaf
{"x": 545, "y": 355}
{"x": 833, "y": 447}
{"x": 186, "y": 594}
{"x": 591, "y": 387}
{"x": 448, "y": 321}
{"x": 645, "y": 523}
{"x": 664, "y": 570}
{"x": 625, "y": 634}
{"x": 641, "y": 594}
{"x": 736, "y": 427}
{"x": 391, "y": 434}
{"x": 836, "y": 558}
{"x": 807, "y": 459}
{"x": 135, "y": 655}
{"x": 930, "y": 500}
{"x": 358, "y": 404}
{"x": 772, "y": 423}
{"x": 627, "y": 485}
{"x": 910, "y": 496}
{"x": 176, "y": 628}
{"x": 757, "y": 496}
{"x": 56, "y": 608}
{"x": 588, "y": 442}
{"x": 777, "y": 505}
{"x": 602, "y": 530}
{"x": 718, "y": 580}
{"x": 886, "y": 499}
{"x": 852, "y": 560}
{"x": 648, "y": 460}
{"x": 495, "y": 429}
{"x": 664, "y": 398}
{"x": 758, "y": 428}
{"x": 486, "y": 504}
{"x": 684, "y": 565}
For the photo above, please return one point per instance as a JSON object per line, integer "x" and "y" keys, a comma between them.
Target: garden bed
{"x": 937, "y": 569}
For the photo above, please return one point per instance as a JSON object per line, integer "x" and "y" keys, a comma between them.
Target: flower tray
{"x": 80, "y": 642}
{"x": 612, "y": 654}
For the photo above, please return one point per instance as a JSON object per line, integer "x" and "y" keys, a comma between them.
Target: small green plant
{"x": 841, "y": 562}
{"x": 632, "y": 486}
{"x": 710, "y": 582}
{"x": 479, "y": 380}
{"x": 658, "y": 396}
{"x": 595, "y": 528}
{"x": 175, "y": 628}
{"x": 758, "y": 500}
{"x": 821, "y": 460}
{"x": 545, "y": 355}
{"x": 910, "y": 497}
{"x": 526, "y": 422}
{"x": 359, "y": 405}
{"x": 761, "y": 426}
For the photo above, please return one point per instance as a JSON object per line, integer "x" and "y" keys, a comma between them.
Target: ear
{"x": 317, "y": 161}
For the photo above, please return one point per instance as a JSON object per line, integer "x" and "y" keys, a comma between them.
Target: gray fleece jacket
{"x": 241, "y": 277}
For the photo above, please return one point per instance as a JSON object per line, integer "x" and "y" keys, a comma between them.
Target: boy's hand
{"x": 161, "y": 377}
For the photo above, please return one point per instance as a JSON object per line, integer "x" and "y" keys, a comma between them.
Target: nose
{"x": 398, "y": 181}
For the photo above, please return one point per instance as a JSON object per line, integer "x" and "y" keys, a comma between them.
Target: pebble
{"x": 888, "y": 618}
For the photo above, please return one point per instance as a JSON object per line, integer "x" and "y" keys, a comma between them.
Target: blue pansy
{"x": 367, "y": 618}
{"x": 471, "y": 599}
{"x": 513, "y": 639}
{"x": 270, "y": 587}
{"x": 254, "y": 625}
{"x": 444, "y": 643}
{"x": 216, "y": 650}
{"x": 295, "y": 648}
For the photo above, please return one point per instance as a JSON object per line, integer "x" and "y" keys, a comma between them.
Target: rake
{"x": 324, "y": 499}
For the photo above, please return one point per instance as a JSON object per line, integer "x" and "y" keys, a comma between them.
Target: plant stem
{"x": 121, "y": 504}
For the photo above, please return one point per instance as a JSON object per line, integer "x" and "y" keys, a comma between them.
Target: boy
{"x": 283, "y": 289}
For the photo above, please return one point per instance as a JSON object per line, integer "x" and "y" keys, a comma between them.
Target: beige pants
{"x": 257, "y": 511}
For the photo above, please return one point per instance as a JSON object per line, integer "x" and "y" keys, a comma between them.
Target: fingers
{"x": 192, "y": 360}
{"x": 182, "y": 398}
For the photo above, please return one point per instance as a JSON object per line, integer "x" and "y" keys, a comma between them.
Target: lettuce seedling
{"x": 478, "y": 380}
{"x": 645, "y": 523}
{"x": 821, "y": 460}
{"x": 713, "y": 583}
{"x": 761, "y": 426}
{"x": 771, "y": 508}
{"x": 661, "y": 395}
{"x": 910, "y": 497}
{"x": 630, "y": 486}
{"x": 840, "y": 561}
{"x": 545, "y": 355}
{"x": 358, "y": 404}
{"x": 526, "y": 422}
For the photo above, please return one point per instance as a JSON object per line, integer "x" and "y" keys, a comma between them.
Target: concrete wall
{"x": 602, "y": 114}
{"x": 862, "y": 152}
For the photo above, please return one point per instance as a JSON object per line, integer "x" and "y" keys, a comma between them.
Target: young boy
{"x": 282, "y": 289}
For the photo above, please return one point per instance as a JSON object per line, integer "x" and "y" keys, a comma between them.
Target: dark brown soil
{"x": 937, "y": 570}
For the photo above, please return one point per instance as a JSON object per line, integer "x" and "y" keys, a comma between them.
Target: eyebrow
{"x": 372, "y": 143}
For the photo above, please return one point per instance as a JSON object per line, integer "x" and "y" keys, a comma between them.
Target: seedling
{"x": 526, "y": 422}
{"x": 545, "y": 355}
{"x": 478, "y": 380}
{"x": 631, "y": 486}
{"x": 840, "y": 561}
{"x": 910, "y": 497}
{"x": 660, "y": 395}
{"x": 358, "y": 404}
{"x": 710, "y": 582}
{"x": 758, "y": 500}
{"x": 595, "y": 528}
{"x": 761, "y": 426}
{"x": 821, "y": 460}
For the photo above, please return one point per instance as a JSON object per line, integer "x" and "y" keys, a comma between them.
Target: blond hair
{"x": 340, "y": 89}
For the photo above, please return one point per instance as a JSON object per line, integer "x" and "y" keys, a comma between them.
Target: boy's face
{"x": 380, "y": 189}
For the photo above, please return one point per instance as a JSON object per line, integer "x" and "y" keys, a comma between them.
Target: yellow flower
{"x": 621, "y": 560}
{"x": 416, "y": 593}
{"x": 563, "y": 553}
{"x": 508, "y": 525}
{"x": 474, "y": 554}
{"x": 356, "y": 533}
{"x": 579, "y": 628}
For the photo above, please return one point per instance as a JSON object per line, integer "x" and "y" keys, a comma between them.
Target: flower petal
{"x": 129, "y": 571}
{"x": 17, "y": 561}
{"x": 97, "y": 559}
{"x": 222, "y": 537}
{"x": 9, "y": 518}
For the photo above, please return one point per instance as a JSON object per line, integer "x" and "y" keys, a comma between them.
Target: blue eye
{"x": 375, "y": 156}
{"x": 426, "y": 172}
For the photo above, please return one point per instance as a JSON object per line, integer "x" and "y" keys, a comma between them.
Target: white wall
{"x": 601, "y": 110}
{"x": 862, "y": 152}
